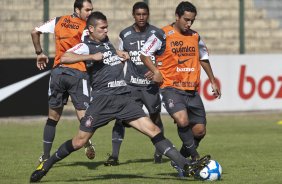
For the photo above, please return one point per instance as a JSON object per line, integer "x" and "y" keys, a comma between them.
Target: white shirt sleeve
{"x": 80, "y": 48}
{"x": 84, "y": 33}
{"x": 47, "y": 27}
{"x": 204, "y": 53}
{"x": 152, "y": 45}
{"x": 120, "y": 45}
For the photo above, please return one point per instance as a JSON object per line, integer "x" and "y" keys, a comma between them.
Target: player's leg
{"x": 176, "y": 105}
{"x": 151, "y": 99}
{"x": 185, "y": 133}
{"x": 197, "y": 119}
{"x": 147, "y": 127}
{"x": 56, "y": 100}
{"x": 64, "y": 150}
{"x": 199, "y": 132}
{"x": 156, "y": 118}
{"x": 117, "y": 138}
{"x": 80, "y": 95}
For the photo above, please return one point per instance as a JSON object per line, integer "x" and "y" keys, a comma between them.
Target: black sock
{"x": 156, "y": 118}
{"x": 64, "y": 150}
{"x": 117, "y": 138}
{"x": 165, "y": 147}
{"x": 48, "y": 137}
{"x": 187, "y": 137}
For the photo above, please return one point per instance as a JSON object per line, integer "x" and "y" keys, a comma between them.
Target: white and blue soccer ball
{"x": 211, "y": 172}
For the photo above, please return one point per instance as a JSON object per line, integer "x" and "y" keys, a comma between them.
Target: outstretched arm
{"x": 207, "y": 67}
{"x": 41, "y": 59}
{"x": 70, "y": 57}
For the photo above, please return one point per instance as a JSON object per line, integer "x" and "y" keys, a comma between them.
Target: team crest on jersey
{"x": 153, "y": 31}
{"x": 89, "y": 121}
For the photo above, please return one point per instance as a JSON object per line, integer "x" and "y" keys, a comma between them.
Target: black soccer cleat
{"x": 38, "y": 174}
{"x": 157, "y": 158}
{"x": 181, "y": 172}
{"x": 112, "y": 161}
{"x": 194, "y": 167}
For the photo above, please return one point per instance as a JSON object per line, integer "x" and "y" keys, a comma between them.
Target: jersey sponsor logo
{"x": 178, "y": 48}
{"x": 76, "y": 47}
{"x": 151, "y": 45}
{"x": 170, "y": 32}
{"x": 110, "y": 59}
{"x": 185, "y": 84}
{"x": 114, "y": 84}
{"x": 139, "y": 80}
{"x": 68, "y": 24}
{"x": 127, "y": 33}
{"x": 182, "y": 61}
{"x": 185, "y": 69}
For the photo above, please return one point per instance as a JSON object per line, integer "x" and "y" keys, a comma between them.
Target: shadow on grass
{"x": 92, "y": 165}
{"x": 169, "y": 179}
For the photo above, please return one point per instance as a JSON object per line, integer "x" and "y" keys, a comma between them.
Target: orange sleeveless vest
{"x": 179, "y": 64}
{"x": 68, "y": 31}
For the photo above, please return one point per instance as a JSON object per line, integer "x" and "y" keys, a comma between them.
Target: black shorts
{"x": 63, "y": 84}
{"x": 176, "y": 100}
{"x": 106, "y": 108}
{"x": 148, "y": 96}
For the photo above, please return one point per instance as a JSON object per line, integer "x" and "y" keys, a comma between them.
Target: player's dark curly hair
{"x": 140, "y": 5}
{"x": 93, "y": 17}
{"x": 79, "y": 4}
{"x": 185, "y": 6}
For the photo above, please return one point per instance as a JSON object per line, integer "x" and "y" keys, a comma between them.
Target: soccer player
{"x": 145, "y": 91}
{"x": 66, "y": 79}
{"x": 111, "y": 100}
{"x": 179, "y": 59}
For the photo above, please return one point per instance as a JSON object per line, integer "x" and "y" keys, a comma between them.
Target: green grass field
{"x": 249, "y": 148}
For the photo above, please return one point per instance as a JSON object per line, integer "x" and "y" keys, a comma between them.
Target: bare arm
{"x": 123, "y": 54}
{"x": 155, "y": 74}
{"x": 69, "y": 57}
{"x": 207, "y": 67}
{"x": 41, "y": 59}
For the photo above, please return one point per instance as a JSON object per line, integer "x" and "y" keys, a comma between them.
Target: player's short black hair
{"x": 140, "y": 5}
{"x": 93, "y": 17}
{"x": 185, "y": 6}
{"x": 79, "y": 4}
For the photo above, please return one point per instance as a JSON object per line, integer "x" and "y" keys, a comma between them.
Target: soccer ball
{"x": 211, "y": 172}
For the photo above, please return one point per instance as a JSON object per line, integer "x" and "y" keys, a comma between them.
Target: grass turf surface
{"x": 248, "y": 147}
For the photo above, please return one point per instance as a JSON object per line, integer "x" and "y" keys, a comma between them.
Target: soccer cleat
{"x": 38, "y": 174}
{"x": 194, "y": 167}
{"x": 157, "y": 158}
{"x": 90, "y": 150}
{"x": 112, "y": 161}
{"x": 181, "y": 172}
{"x": 41, "y": 159}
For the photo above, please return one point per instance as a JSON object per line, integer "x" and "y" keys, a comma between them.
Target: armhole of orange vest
{"x": 57, "y": 20}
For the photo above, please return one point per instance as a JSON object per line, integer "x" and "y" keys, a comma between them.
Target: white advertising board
{"x": 247, "y": 82}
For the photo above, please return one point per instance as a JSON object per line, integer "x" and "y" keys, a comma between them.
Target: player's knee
{"x": 79, "y": 142}
{"x": 199, "y": 133}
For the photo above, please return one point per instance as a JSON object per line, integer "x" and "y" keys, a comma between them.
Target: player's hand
{"x": 98, "y": 56}
{"x": 41, "y": 61}
{"x": 123, "y": 54}
{"x": 216, "y": 91}
{"x": 156, "y": 76}
{"x": 149, "y": 75}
